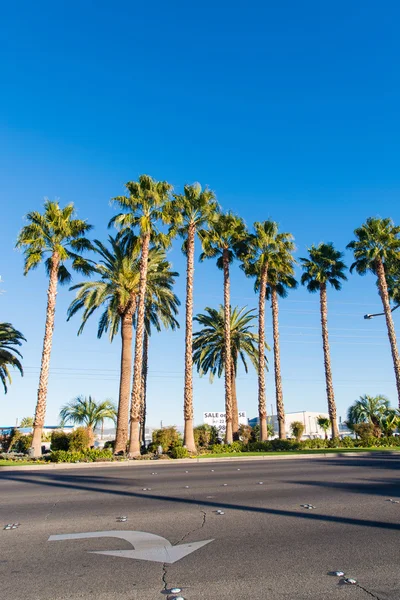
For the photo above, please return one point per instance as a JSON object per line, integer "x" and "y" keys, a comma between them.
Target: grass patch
{"x": 295, "y": 452}
{"x": 20, "y": 463}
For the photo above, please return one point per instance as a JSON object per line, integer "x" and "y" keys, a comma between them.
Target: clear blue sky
{"x": 287, "y": 110}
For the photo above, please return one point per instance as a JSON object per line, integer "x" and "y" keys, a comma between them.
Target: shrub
{"x": 59, "y": 440}
{"x": 79, "y": 440}
{"x": 315, "y": 443}
{"x": 297, "y": 428}
{"x": 363, "y": 430}
{"x": 348, "y": 442}
{"x": 245, "y": 433}
{"x": 167, "y": 437}
{"x": 179, "y": 452}
{"x": 24, "y": 443}
{"x": 225, "y": 448}
{"x": 205, "y": 435}
{"x": 63, "y": 456}
{"x": 334, "y": 443}
{"x": 109, "y": 444}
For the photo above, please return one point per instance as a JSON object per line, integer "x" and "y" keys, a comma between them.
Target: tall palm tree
{"x": 265, "y": 243}
{"x": 225, "y": 240}
{"x": 189, "y": 213}
{"x": 117, "y": 290}
{"x": 9, "y": 355}
{"x": 87, "y": 412}
{"x": 377, "y": 249}
{"x": 142, "y": 211}
{"x": 280, "y": 280}
{"x": 60, "y": 237}
{"x": 325, "y": 266}
{"x": 209, "y": 342}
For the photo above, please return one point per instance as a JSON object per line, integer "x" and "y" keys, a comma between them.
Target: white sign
{"x": 218, "y": 420}
{"x": 147, "y": 546}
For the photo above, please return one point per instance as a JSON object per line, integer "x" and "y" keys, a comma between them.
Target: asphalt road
{"x": 264, "y": 546}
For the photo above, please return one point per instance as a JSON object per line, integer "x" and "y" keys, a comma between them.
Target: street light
{"x": 368, "y": 316}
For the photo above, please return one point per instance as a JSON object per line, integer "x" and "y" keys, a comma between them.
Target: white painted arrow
{"x": 147, "y": 546}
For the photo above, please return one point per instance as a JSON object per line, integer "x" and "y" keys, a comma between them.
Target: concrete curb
{"x": 159, "y": 463}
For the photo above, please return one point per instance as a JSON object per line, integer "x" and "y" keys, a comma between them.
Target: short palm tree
{"x": 57, "y": 235}
{"x": 389, "y": 422}
{"x": 116, "y": 291}
{"x": 189, "y": 214}
{"x": 368, "y": 409}
{"x": 225, "y": 240}
{"x": 26, "y": 422}
{"x": 377, "y": 249}
{"x": 271, "y": 262}
{"x": 325, "y": 424}
{"x": 9, "y": 355}
{"x": 209, "y": 343}
{"x": 142, "y": 212}
{"x": 325, "y": 266}
{"x": 87, "y": 412}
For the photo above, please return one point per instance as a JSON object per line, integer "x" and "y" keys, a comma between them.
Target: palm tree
{"x": 9, "y": 338}
{"x": 143, "y": 210}
{"x": 209, "y": 343}
{"x": 325, "y": 424}
{"x": 85, "y": 411}
{"x": 225, "y": 240}
{"x": 389, "y": 422}
{"x": 60, "y": 237}
{"x": 117, "y": 290}
{"x": 368, "y": 409}
{"x": 377, "y": 249}
{"x": 324, "y": 266}
{"x": 26, "y": 422}
{"x": 189, "y": 213}
{"x": 265, "y": 243}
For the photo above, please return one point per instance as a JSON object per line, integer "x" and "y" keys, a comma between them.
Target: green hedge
{"x": 67, "y": 456}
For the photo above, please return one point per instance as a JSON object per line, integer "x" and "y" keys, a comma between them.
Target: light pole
{"x": 368, "y": 316}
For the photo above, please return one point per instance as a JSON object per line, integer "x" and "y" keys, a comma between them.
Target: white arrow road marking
{"x": 147, "y": 546}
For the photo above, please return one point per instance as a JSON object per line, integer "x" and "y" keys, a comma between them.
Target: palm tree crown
{"x": 228, "y": 234}
{"x": 368, "y": 409}
{"x": 376, "y": 240}
{"x": 9, "y": 339}
{"x": 55, "y": 233}
{"x": 209, "y": 342}
{"x": 85, "y": 411}
{"x": 324, "y": 266}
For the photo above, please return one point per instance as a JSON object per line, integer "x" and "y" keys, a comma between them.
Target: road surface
{"x": 265, "y": 545}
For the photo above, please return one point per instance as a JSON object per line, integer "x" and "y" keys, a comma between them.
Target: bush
{"x": 245, "y": 433}
{"x": 227, "y": 448}
{"x": 59, "y": 440}
{"x": 179, "y": 452}
{"x": 315, "y": 443}
{"x": 109, "y": 444}
{"x": 167, "y": 437}
{"x": 79, "y": 440}
{"x": 297, "y": 428}
{"x": 63, "y": 456}
{"x": 205, "y": 435}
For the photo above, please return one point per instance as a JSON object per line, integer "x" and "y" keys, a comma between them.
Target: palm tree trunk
{"x": 91, "y": 436}
{"x": 327, "y": 362}
{"x": 134, "y": 444}
{"x": 383, "y": 291}
{"x": 121, "y": 435}
{"x": 227, "y": 350}
{"x": 145, "y": 370}
{"x": 235, "y": 411}
{"x": 262, "y": 402}
{"x": 40, "y": 412}
{"x": 280, "y": 409}
{"x": 188, "y": 436}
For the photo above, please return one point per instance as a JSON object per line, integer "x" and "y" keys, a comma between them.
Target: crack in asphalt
{"x": 165, "y": 565}
{"x": 367, "y": 591}
{"x": 51, "y": 510}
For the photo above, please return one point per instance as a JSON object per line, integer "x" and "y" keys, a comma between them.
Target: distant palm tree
{"x": 58, "y": 235}
{"x": 85, "y": 411}
{"x": 189, "y": 213}
{"x": 325, "y": 424}
{"x": 280, "y": 278}
{"x": 26, "y": 422}
{"x": 117, "y": 290}
{"x": 9, "y": 338}
{"x": 142, "y": 211}
{"x": 209, "y": 342}
{"x": 324, "y": 265}
{"x": 377, "y": 249}
{"x": 225, "y": 240}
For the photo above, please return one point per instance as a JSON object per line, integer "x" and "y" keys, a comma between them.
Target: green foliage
{"x": 26, "y": 422}
{"x": 9, "y": 355}
{"x": 59, "y": 440}
{"x": 323, "y": 266}
{"x": 179, "y": 452}
{"x": 23, "y": 443}
{"x": 324, "y": 423}
{"x": 86, "y": 411}
{"x": 205, "y": 435}
{"x": 167, "y": 437}
{"x": 297, "y": 429}
{"x": 376, "y": 240}
{"x": 374, "y": 411}
{"x": 364, "y": 430}
{"x": 72, "y": 456}
{"x": 79, "y": 440}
